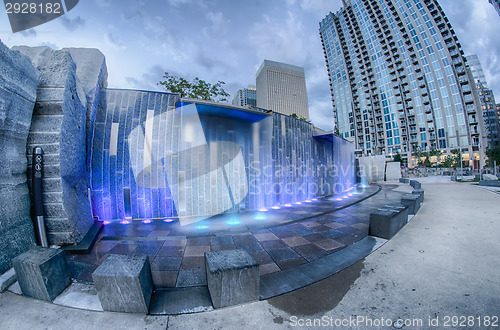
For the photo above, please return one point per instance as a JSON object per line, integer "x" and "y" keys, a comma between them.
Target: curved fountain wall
{"x": 154, "y": 155}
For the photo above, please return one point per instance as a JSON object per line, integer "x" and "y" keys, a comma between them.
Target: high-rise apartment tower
{"x": 496, "y": 4}
{"x": 486, "y": 101}
{"x": 398, "y": 78}
{"x": 282, "y": 88}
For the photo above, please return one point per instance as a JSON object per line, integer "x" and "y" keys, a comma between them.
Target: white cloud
{"x": 280, "y": 42}
{"x": 219, "y": 25}
{"x": 71, "y": 24}
{"x": 113, "y": 41}
{"x": 320, "y": 8}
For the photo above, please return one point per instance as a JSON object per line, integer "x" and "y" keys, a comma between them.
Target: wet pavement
{"x": 278, "y": 239}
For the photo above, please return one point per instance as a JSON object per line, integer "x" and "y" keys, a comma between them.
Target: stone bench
{"x": 42, "y": 273}
{"x": 419, "y": 192}
{"x": 404, "y": 180}
{"x": 124, "y": 283}
{"x": 233, "y": 277}
{"x": 489, "y": 183}
{"x": 387, "y": 221}
{"x": 415, "y": 184}
{"x": 412, "y": 201}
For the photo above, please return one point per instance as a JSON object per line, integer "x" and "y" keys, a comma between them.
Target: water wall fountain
{"x": 154, "y": 155}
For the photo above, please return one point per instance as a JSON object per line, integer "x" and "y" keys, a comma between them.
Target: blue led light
{"x": 201, "y": 226}
{"x": 339, "y": 199}
{"x": 308, "y": 201}
{"x": 260, "y": 217}
{"x": 314, "y": 199}
{"x": 298, "y": 203}
{"x": 233, "y": 222}
{"x": 124, "y": 222}
{"x": 263, "y": 209}
{"x": 168, "y": 220}
{"x": 288, "y": 205}
{"x": 276, "y": 207}
{"x": 147, "y": 221}
{"x": 106, "y": 222}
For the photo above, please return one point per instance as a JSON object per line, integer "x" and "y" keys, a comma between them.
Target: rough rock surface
{"x": 18, "y": 84}
{"x": 59, "y": 126}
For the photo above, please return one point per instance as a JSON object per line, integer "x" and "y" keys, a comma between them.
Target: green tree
{"x": 453, "y": 160}
{"x": 294, "y": 115}
{"x": 197, "y": 89}
{"x": 336, "y": 132}
{"x": 493, "y": 155}
{"x": 397, "y": 158}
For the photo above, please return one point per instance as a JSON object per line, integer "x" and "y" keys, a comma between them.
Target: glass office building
{"x": 398, "y": 78}
{"x": 246, "y": 97}
{"x": 281, "y": 87}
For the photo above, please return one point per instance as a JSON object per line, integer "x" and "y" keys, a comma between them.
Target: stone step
{"x": 43, "y": 137}
{"x": 52, "y": 185}
{"x": 57, "y": 224}
{"x": 65, "y": 237}
{"x": 48, "y": 107}
{"x": 46, "y": 123}
{"x": 54, "y": 210}
{"x": 48, "y": 148}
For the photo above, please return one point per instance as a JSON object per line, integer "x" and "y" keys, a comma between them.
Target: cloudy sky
{"x": 228, "y": 40}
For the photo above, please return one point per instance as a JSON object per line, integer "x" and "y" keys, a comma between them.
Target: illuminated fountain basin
{"x": 240, "y": 222}
{"x": 155, "y": 156}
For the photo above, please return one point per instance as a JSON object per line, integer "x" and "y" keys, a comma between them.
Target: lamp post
{"x": 461, "y": 164}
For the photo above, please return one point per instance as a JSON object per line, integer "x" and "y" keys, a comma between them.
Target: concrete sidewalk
{"x": 444, "y": 263}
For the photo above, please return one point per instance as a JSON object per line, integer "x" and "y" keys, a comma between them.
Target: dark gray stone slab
{"x": 124, "y": 283}
{"x": 415, "y": 184}
{"x": 42, "y": 273}
{"x": 233, "y": 277}
{"x": 419, "y": 192}
{"x": 297, "y": 277}
{"x": 404, "y": 180}
{"x": 386, "y": 222}
{"x": 412, "y": 202}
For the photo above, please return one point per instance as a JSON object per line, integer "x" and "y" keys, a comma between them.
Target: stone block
{"x": 404, "y": 180}
{"x": 7, "y": 279}
{"x": 42, "y": 273}
{"x": 489, "y": 177}
{"x": 419, "y": 192}
{"x": 392, "y": 171}
{"x": 124, "y": 283}
{"x": 489, "y": 183}
{"x": 412, "y": 202}
{"x": 18, "y": 85}
{"x": 233, "y": 277}
{"x": 387, "y": 221}
{"x": 415, "y": 184}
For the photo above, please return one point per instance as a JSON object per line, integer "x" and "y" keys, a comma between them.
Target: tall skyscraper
{"x": 282, "y": 88}
{"x": 496, "y": 4}
{"x": 398, "y": 78}
{"x": 246, "y": 97}
{"x": 486, "y": 101}
{"x": 476, "y": 69}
